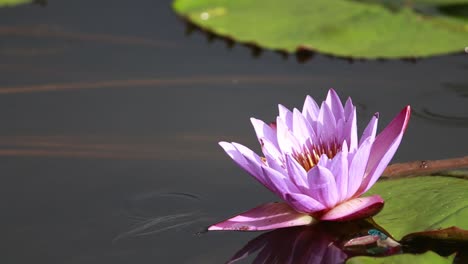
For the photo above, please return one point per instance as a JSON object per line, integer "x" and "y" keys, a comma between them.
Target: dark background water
{"x": 111, "y": 117}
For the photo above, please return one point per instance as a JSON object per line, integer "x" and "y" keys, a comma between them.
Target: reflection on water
{"x": 321, "y": 243}
{"x": 185, "y": 211}
{"x": 54, "y": 31}
{"x": 155, "y": 83}
{"x": 169, "y": 147}
{"x": 430, "y": 109}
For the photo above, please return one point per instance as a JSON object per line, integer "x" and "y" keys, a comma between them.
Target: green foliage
{"x": 428, "y": 257}
{"x": 359, "y": 29}
{"x": 422, "y": 204}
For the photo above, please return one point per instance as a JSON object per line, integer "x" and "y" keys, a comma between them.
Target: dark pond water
{"x": 111, "y": 117}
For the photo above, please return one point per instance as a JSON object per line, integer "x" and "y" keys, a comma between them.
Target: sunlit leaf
{"x": 428, "y": 257}
{"x": 14, "y": 2}
{"x": 422, "y": 204}
{"x": 342, "y": 28}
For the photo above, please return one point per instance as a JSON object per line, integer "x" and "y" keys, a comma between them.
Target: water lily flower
{"x": 312, "y": 159}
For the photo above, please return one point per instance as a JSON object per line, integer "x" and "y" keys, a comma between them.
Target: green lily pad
{"x": 422, "y": 204}
{"x": 4, "y": 3}
{"x": 345, "y": 28}
{"x": 428, "y": 257}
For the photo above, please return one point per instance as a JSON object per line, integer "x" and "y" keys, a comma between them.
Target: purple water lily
{"x": 313, "y": 160}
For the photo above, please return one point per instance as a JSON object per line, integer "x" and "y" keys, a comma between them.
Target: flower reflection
{"x": 321, "y": 243}
{"x": 292, "y": 245}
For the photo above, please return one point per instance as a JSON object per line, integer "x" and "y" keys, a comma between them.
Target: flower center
{"x": 310, "y": 153}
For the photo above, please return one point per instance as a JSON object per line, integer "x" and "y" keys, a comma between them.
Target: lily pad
{"x": 428, "y": 257}
{"x": 357, "y": 29}
{"x": 422, "y": 204}
{"x": 4, "y": 3}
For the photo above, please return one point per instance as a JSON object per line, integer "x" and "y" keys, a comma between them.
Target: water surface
{"x": 111, "y": 117}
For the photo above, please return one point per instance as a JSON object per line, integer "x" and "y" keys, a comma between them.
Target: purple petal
{"x": 249, "y": 161}
{"x": 280, "y": 183}
{"x": 274, "y": 157}
{"x": 286, "y": 140}
{"x": 326, "y": 126}
{"x": 322, "y": 186}
{"x": 357, "y": 167}
{"x": 371, "y": 129}
{"x": 334, "y": 102}
{"x": 251, "y": 166}
{"x": 301, "y": 128}
{"x": 384, "y": 147}
{"x": 356, "y": 208}
{"x": 264, "y": 131}
{"x": 265, "y": 217}
{"x": 349, "y": 107}
{"x": 350, "y": 127}
{"x": 296, "y": 173}
{"x": 310, "y": 109}
{"x": 286, "y": 115}
{"x": 304, "y": 203}
{"x": 339, "y": 169}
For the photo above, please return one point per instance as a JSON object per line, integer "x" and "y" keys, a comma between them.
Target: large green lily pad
{"x": 13, "y": 2}
{"x": 346, "y": 28}
{"x": 428, "y": 257}
{"x": 421, "y": 204}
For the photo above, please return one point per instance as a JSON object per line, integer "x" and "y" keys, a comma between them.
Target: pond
{"x": 111, "y": 114}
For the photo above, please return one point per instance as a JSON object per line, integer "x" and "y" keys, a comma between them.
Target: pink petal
{"x": 356, "y": 208}
{"x": 265, "y": 217}
{"x": 362, "y": 241}
{"x": 371, "y": 129}
{"x": 384, "y": 147}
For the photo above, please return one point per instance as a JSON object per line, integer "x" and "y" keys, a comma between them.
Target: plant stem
{"x": 425, "y": 167}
